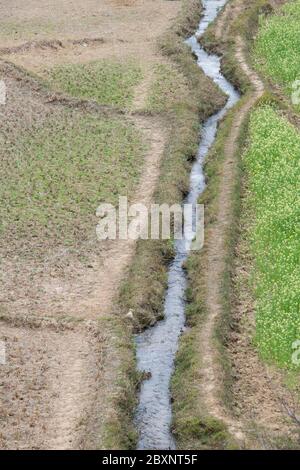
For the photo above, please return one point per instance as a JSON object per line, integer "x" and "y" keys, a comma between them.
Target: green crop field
{"x": 277, "y": 46}
{"x": 107, "y": 82}
{"x": 54, "y": 177}
{"x": 273, "y": 200}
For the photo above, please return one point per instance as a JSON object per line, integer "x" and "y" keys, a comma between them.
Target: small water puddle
{"x": 156, "y": 347}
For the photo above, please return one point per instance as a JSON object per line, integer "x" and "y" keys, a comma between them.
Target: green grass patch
{"x": 107, "y": 82}
{"x": 54, "y": 177}
{"x": 169, "y": 89}
{"x": 277, "y": 46}
{"x": 272, "y": 167}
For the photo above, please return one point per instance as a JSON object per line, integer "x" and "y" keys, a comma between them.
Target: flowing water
{"x": 157, "y": 346}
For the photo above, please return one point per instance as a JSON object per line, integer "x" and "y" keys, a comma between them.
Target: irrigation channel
{"x": 157, "y": 346}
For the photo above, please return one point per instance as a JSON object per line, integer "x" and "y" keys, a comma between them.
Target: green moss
{"x": 209, "y": 431}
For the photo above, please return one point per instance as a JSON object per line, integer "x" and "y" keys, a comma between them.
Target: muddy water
{"x": 157, "y": 346}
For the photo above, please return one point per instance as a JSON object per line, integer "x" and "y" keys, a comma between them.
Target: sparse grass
{"x": 169, "y": 89}
{"x": 54, "y": 177}
{"x": 276, "y": 49}
{"x": 105, "y": 81}
{"x": 27, "y": 29}
{"x": 273, "y": 202}
{"x": 47, "y": 27}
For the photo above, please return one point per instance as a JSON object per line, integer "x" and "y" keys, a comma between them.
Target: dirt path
{"x": 222, "y": 23}
{"x": 216, "y": 255}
